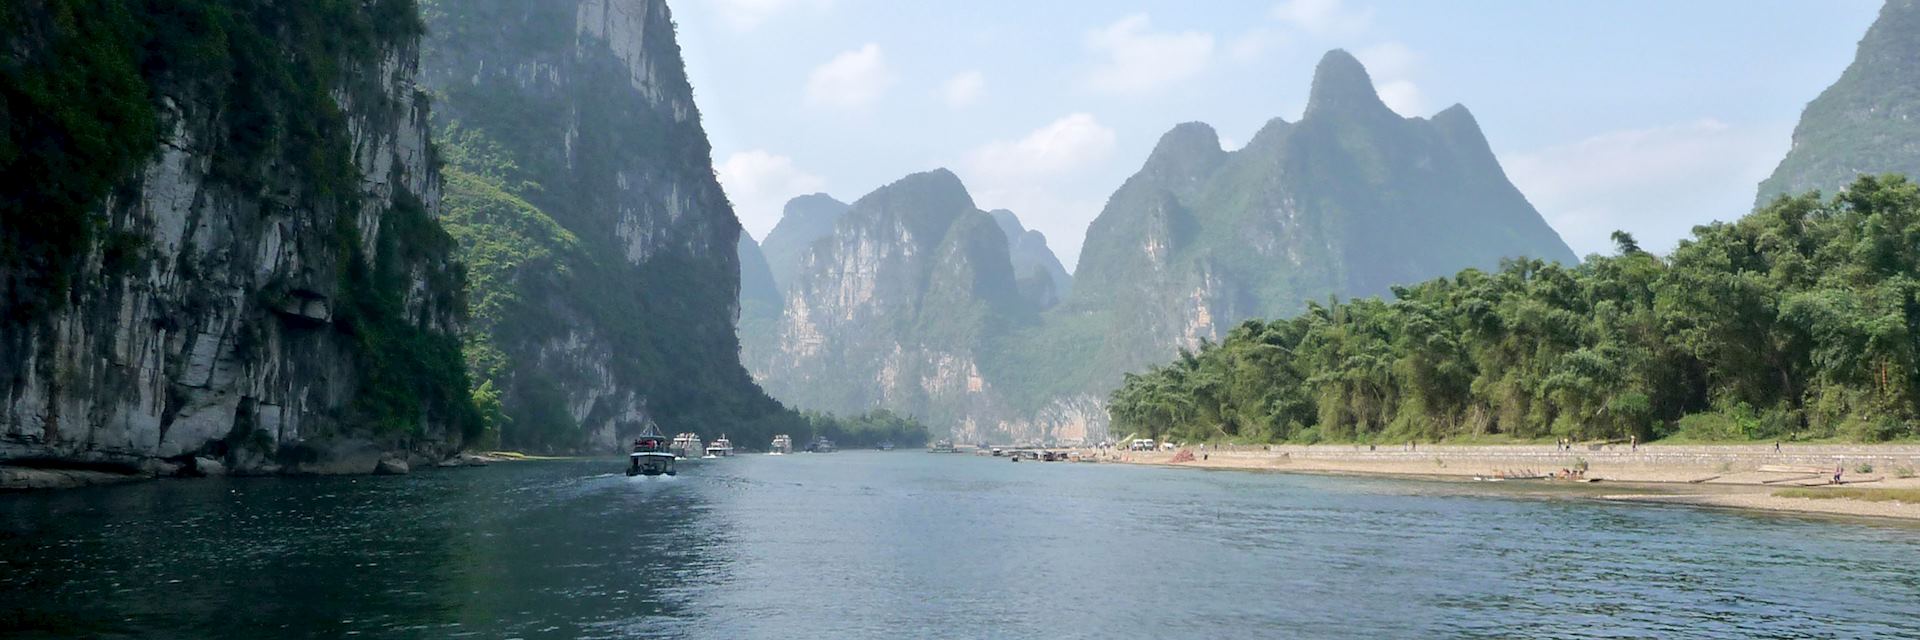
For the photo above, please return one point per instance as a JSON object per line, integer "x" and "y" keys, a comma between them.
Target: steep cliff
{"x": 896, "y": 308}
{"x": 572, "y": 122}
{"x": 1868, "y": 122}
{"x": 219, "y": 239}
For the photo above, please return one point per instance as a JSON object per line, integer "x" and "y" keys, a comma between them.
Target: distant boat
{"x": 720, "y": 448}
{"x": 782, "y": 445}
{"x": 821, "y": 444}
{"x": 886, "y": 446}
{"x": 687, "y": 445}
{"x": 942, "y": 446}
{"x": 649, "y": 456}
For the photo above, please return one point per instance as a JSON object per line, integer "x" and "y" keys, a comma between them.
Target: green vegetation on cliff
{"x": 89, "y": 89}
{"x": 1868, "y": 121}
{"x": 1799, "y": 320}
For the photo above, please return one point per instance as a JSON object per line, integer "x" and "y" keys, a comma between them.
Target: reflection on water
{"x": 872, "y": 545}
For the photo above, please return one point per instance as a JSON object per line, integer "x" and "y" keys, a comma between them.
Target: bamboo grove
{"x": 1798, "y": 321}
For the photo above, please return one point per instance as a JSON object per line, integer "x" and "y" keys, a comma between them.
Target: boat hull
{"x": 650, "y": 464}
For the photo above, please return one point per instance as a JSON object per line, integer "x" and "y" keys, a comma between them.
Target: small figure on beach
{"x": 1633, "y": 443}
{"x": 1837, "y": 470}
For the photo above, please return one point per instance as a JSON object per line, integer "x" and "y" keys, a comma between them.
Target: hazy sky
{"x": 1641, "y": 115}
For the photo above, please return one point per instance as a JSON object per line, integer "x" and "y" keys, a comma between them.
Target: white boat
{"x": 687, "y": 445}
{"x": 720, "y": 448}
{"x": 782, "y": 445}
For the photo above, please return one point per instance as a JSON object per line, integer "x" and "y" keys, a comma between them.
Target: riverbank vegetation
{"x": 869, "y": 429}
{"x": 1799, "y": 320}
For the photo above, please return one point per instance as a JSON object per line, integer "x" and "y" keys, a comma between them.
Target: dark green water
{"x": 912, "y": 545}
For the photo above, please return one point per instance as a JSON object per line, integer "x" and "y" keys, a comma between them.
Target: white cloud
{"x": 1139, "y": 60}
{"x": 1403, "y": 97}
{"x": 1323, "y": 17}
{"x": 1390, "y": 59}
{"x": 759, "y": 183}
{"x": 964, "y": 89}
{"x": 1391, "y": 64}
{"x": 745, "y": 15}
{"x": 1254, "y": 43}
{"x": 1027, "y": 175}
{"x": 1069, "y": 143}
{"x": 1655, "y": 183}
{"x": 850, "y": 80}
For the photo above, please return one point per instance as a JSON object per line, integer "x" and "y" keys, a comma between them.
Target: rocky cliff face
{"x": 901, "y": 307}
{"x": 574, "y": 122}
{"x": 1868, "y": 122}
{"x": 262, "y": 280}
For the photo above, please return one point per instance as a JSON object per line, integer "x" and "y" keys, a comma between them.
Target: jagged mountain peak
{"x": 927, "y": 202}
{"x": 1341, "y": 84}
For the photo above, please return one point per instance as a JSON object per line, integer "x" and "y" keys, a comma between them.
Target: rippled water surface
{"x": 907, "y": 544}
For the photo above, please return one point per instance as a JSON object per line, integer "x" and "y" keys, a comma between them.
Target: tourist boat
{"x": 720, "y": 448}
{"x": 687, "y": 445}
{"x": 942, "y": 446}
{"x": 782, "y": 445}
{"x": 820, "y": 444}
{"x": 650, "y": 456}
{"x": 886, "y": 446}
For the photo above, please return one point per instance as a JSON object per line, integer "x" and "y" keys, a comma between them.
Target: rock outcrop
{"x": 263, "y": 273}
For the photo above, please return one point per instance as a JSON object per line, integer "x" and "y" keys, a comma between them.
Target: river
{"x": 914, "y": 545}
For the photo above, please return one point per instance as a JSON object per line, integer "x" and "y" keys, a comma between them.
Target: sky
{"x": 1644, "y": 116}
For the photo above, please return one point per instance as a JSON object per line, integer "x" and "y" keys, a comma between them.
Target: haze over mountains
{"x": 931, "y": 318}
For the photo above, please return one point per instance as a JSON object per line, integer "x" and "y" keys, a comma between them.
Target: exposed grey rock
{"x": 208, "y": 467}
{"x": 25, "y": 478}
{"x": 224, "y": 319}
{"x": 392, "y": 467}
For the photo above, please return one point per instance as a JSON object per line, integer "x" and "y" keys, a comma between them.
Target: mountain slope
{"x": 897, "y": 307}
{"x": 571, "y": 125}
{"x": 1349, "y": 201}
{"x": 1868, "y": 121}
{"x": 804, "y": 221}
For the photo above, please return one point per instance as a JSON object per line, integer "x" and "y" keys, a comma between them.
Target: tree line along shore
{"x": 1800, "y": 321}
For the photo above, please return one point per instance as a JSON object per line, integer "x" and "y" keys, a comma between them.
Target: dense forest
{"x": 1798, "y": 321}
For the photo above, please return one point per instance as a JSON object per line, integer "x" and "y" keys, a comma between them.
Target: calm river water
{"x": 913, "y": 545}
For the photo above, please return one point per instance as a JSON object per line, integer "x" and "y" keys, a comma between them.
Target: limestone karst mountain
{"x": 1868, "y": 121}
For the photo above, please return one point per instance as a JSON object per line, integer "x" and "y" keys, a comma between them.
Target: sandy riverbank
{"x": 1731, "y": 476}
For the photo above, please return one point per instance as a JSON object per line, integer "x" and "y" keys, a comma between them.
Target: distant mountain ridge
{"x": 1350, "y": 201}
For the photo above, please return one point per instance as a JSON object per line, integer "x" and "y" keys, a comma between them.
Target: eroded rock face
{"x": 909, "y": 304}
{"x": 632, "y": 320}
{"x": 205, "y": 316}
